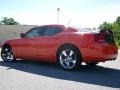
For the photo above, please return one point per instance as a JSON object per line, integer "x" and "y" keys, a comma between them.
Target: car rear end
{"x": 105, "y": 44}
{"x": 96, "y": 45}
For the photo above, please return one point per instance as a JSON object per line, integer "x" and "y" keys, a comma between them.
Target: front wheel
{"x": 69, "y": 58}
{"x": 7, "y": 54}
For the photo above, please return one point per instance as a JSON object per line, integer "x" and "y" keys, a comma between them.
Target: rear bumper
{"x": 109, "y": 51}
{"x": 109, "y": 57}
{"x": 101, "y": 52}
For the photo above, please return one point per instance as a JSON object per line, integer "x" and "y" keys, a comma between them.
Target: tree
{"x": 115, "y": 27}
{"x": 105, "y": 25}
{"x": 118, "y": 20}
{"x": 9, "y": 21}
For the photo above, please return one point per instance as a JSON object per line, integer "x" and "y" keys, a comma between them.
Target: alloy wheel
{"x": 7, "y": 54}
{"x": 68, "y": 59}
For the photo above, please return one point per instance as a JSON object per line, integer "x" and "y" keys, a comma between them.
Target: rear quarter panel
{"x": 82, "y": 41}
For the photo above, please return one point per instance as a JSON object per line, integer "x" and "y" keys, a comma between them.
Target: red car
{"x": 67, "y": 46}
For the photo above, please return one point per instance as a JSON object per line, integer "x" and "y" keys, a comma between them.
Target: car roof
{"x": 53, "y": 25}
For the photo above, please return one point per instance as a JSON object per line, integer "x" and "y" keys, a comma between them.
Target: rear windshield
{"x": 85, "y": 29}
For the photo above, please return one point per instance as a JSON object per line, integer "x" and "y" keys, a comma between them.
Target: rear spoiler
{"x": 106, "y": 31}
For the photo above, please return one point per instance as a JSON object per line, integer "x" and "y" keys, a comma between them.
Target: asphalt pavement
{"x": 27, "y": 75}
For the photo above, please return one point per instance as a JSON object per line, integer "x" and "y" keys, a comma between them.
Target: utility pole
{"x": 58, "y": 15}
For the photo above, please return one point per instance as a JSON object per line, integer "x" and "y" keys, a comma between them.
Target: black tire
{"x": 7, "y": 54}
{"x": 71, "y": 60}
{"x": 92, "y": 63}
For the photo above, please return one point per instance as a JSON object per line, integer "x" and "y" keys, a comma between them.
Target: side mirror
{"x": 22, "y": 35}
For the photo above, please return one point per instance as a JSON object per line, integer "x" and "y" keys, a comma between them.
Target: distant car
{"x": 67, "y": 46}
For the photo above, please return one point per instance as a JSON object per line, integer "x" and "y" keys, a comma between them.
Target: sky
{"x": 82, "y": 13}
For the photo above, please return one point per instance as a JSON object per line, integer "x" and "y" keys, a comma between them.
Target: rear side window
{"x": 49, "y": 31}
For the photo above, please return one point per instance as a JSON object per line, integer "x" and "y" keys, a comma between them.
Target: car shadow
{"x": 92, "y": 75}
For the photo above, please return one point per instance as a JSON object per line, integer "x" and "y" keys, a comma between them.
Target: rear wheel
{"x": 69, "y": 58}
{"x": 7, "y": 54}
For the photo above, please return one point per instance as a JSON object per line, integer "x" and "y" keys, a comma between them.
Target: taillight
{"x": 100, "y": 38}
{"x": 104, "y": 38}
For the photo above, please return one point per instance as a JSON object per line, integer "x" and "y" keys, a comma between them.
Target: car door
{"x": 26, "y": 46}
{"x": 47, "y": 43}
